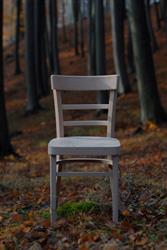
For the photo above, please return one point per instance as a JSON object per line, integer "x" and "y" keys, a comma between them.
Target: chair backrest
{"x": 84, "y": 83}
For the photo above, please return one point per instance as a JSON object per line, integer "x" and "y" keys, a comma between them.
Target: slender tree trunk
{"x": 40, "y": 48}
{"x": 118, "y": 15}
{"x": 154, "y": 44}
{"x": 63, "y": 22}
{"x": 12, "y": 24}
{"x": 100, "y": 38}
{"x": 163, "y": 7}
{"x": 100, "y": 46}
{"x": 131, "y": 65}
{"x": 49, "y": 33}
{"x": 158, "y": 19}
{"x": 17, "y": 41}
{"x": 32, "y": 95}
{"x": 151, "y": 108}
{"x": 81, "y": 28}
{"x": 37, "y": 47}
{"x": 44, "y": 41}
{"x": 163, "y": 10}
{"x": 91, "y": 39}
{"x": 5, "y": 145}
{"x": 75, "y": 5}
{"x": 54, "y": 37}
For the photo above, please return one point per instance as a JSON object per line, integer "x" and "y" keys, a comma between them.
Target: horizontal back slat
{"x": 84, "y": 106}
{"x": 84, "y": 83}
{"x": 85, "y": 123}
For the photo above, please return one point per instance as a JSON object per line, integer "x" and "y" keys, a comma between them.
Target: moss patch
{"x": 73, "y": 208}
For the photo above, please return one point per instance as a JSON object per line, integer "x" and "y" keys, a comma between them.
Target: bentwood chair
{"x": 108, "y": 147}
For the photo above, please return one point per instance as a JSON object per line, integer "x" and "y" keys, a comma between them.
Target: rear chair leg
{"x": 115, "y": 189}
{"x": 53, "y": 189}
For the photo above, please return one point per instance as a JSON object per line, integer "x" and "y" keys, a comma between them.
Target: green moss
{"x": 72, "y": 208}
{"x": 45, "y": 214}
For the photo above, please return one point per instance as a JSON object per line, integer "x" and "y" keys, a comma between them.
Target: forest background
{"x": 95, "y": 37}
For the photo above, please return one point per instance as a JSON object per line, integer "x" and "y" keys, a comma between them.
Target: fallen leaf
{"x": 26, "y": 229}
{"x": 151, "y": 126}
{"x": 125, "y": 213}
{"x": 17, "y": 217}
{"x": 83, "y": 248}
{"x": 96, "y": 237}
{"x": 113, "y": 245}
{"x": 60, "y": 223}
{"x": 2, "y": 246}
{"x": 141, "y": 242}
{"x": 1, "y": 218}
{"x": 35, "y": 246}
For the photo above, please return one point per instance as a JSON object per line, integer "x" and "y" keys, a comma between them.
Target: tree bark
{"x": 81, "y": 28}
{"x": 151, "y": 108}
{"x": 40, "y": 48}
{"x": 118, "y": 15}
{"x": 100, "y": 46}
{"x": 163, "y": 7}
{"x": 32, "y": 95}
{"x": 153, "y": 41}
{"x": 75, "y": 6}
{"x": 5, "y": 145}
{"x": 54, "y": 37}
{"x": 17, "y": 41}
{"x": 91, "y": 39}
{"x": 131, "y": 65}
{"x": 63, "y": 22}
{"x": 157, "y": 13}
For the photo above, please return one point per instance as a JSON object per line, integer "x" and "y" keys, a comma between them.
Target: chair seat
{"x": 84, "y": 146}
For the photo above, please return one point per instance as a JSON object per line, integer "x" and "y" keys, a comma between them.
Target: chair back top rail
{"x": 84, "y": 83}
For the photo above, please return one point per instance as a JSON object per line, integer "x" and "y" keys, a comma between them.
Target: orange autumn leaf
{"x": 125, "y": 213}
{"x": 150, "y": 126}
{"x": 17, "y": 217}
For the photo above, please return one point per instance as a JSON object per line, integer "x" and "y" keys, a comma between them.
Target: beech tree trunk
{"x": 153, "y": 41}
{"x": 40, "y": 48}
{"x": 91, "y": 39}
{"x": 54, "y": 37}
{"x": 81, "y": 28}
{"x": 151, "y": 108}
{"x": 63, "y": 22}
{"x": 157, "y": 13}
{"x": 5, "y": 145}
{"x": 100, "y": 46}
{"x": 118, "y": 15}
{"x": 131, "y": 66}
{"x": 75, "y": 6}
{"x": 17, "y": 41}
{"x": 163, "y": 6}
{"x": 32, "y": 95}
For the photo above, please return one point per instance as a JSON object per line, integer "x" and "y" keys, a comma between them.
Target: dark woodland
{"x": 39, "y": 38}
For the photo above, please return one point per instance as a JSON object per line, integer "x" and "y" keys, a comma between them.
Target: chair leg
{"x": 53, "y": 189}
{"x": 115, "y": 189}
{"x": 58, "y": 183}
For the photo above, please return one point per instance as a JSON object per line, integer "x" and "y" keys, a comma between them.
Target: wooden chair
{"x": 81, "y": 146}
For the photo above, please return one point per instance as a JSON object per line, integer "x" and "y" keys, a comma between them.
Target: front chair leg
{"x": 58, "y": 183}
{"x": 115, "y": 189}
{"x": 53, "y": 189}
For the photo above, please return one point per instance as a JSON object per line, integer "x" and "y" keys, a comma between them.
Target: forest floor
{"x": 85, "y": 220}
